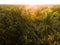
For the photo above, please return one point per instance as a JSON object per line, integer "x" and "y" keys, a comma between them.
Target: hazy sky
{"x": 30, "y": 2}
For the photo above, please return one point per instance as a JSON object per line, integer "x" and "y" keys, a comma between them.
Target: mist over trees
{"x": 19, "y": 26}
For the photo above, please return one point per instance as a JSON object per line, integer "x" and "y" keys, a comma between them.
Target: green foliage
{"x": 18, "y": 27}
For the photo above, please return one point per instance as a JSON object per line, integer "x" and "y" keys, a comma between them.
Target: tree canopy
{"x": 21, "y": 27}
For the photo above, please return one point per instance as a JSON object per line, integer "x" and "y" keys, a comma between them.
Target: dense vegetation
{"x": 21, "y": 27}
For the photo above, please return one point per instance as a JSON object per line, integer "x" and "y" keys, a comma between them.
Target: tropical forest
{"x": 29, "y": 25}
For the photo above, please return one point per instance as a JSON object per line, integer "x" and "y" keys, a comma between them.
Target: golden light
{"x": 31, "y": 7}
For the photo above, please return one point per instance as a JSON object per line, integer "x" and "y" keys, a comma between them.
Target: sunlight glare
{"x": 29, "y": 2}
{"x": 31, "y": 7}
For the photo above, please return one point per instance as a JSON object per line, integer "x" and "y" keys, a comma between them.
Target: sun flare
{"x": 31, "y": 7}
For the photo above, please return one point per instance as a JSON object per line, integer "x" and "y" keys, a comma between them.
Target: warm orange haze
{"x": 34, "y": 8}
